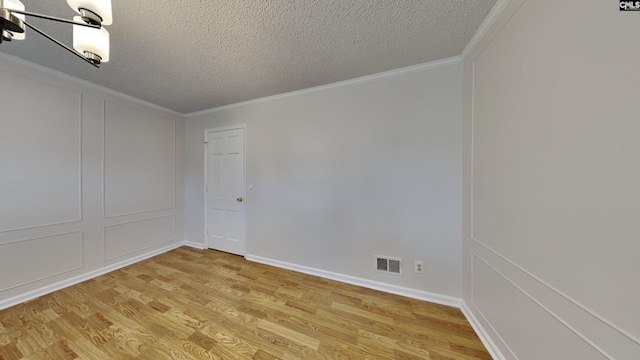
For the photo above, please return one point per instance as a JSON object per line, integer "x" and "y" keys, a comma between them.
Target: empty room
{"x": 381, "y": 179}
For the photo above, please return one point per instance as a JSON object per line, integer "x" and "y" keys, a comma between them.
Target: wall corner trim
{"x": 195, "y": 245}
{"x": 482, "y": 333}
{"x": 488, "y": 22}
{"x": 370, "y": 284}
{"x": 84, "y": 277}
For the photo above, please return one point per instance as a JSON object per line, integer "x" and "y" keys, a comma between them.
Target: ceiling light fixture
{"x": 90, "y": 38}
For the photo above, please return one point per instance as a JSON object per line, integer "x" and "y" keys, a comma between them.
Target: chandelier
{"x": 90, "y": 38}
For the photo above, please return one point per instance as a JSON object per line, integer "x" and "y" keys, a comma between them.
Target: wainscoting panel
{"x": 587, "y": 324}
{"x": 40, "y": 154}
{"x": 139, "y": 161}
{"x": 523, "y": 336}
{"x": 128, "y": 238}
{"x": 30, "y": 260}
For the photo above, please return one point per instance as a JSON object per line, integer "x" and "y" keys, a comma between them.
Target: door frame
{"x": 206, "y": 180}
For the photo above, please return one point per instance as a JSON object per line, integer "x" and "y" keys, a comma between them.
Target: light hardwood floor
{"x": 205, "y": 304}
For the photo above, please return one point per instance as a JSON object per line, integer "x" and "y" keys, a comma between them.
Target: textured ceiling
{"x": 194, "y": 55}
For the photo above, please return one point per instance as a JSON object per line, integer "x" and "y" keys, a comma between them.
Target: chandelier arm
{"x": 60, "y": 44}
{"x": 53, "y": 18}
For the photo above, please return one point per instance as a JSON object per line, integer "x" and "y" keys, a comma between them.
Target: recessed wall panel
{"x": 124, "y": 239}
{"x": 139, "y": 161}
{"x": 523, "y": 336}
{"x": 40, "y": 181}
{"x": 30, "y": 260}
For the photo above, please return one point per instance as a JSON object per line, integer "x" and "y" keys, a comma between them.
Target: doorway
{"x": 225, "y": 190}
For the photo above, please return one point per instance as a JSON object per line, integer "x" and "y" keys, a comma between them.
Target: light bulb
{"x": 95, "y": 41}
{"x": 15, "y": 5}
{"x": 101, "y": 8}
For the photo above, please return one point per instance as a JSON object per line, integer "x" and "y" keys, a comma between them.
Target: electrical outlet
{"x": 419, "y": 267}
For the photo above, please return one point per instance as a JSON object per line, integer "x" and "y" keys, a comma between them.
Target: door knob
{"x": 239, "y": 199}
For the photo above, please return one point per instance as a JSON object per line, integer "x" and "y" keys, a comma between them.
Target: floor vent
{"x": 389, "y": 264}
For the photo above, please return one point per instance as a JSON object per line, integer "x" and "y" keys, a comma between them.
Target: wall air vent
{"x": 389, "y": 264}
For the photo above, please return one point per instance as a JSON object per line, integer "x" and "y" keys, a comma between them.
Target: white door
{"x": 225, "y": 191}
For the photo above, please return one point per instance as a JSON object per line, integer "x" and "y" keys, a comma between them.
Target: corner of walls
{"x": 490, "y": 26}
{"x": 481, "y": 330}
{"x": 195, "y": 245}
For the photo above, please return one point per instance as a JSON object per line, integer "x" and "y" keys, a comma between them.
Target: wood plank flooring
{"x": 205, "y": 304}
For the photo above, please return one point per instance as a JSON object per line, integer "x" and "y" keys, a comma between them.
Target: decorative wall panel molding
{"x": 532, "y": 315}
{"x": 584, "y": 322}
{"x": 54, "y": 255}
{"x": 40, "y": 155}
{"x": 128, "y": 238}
{"x": 139, "y": 161}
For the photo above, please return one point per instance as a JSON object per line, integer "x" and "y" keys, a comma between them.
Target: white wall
{"x": 346, "y": 172}
{"x": 88, "y": 180}
{"x": 550, "y": 240}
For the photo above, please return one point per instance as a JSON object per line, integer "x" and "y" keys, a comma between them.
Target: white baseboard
{"x": 389, "y": 288}
{"x": 83, "y": 277}
{"x": 195, "y": 245}
{"x": 482, "y": 333}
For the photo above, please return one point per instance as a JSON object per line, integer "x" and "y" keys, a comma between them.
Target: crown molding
{"x": 19, "y": 62}
{"x": 341, "y": 84}
{"x": 484, "y": 28}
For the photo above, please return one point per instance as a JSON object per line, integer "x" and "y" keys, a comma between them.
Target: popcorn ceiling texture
{"x": 194, "y": 55}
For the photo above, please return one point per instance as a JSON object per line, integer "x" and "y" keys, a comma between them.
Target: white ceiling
{"x": 194, "y": 55}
